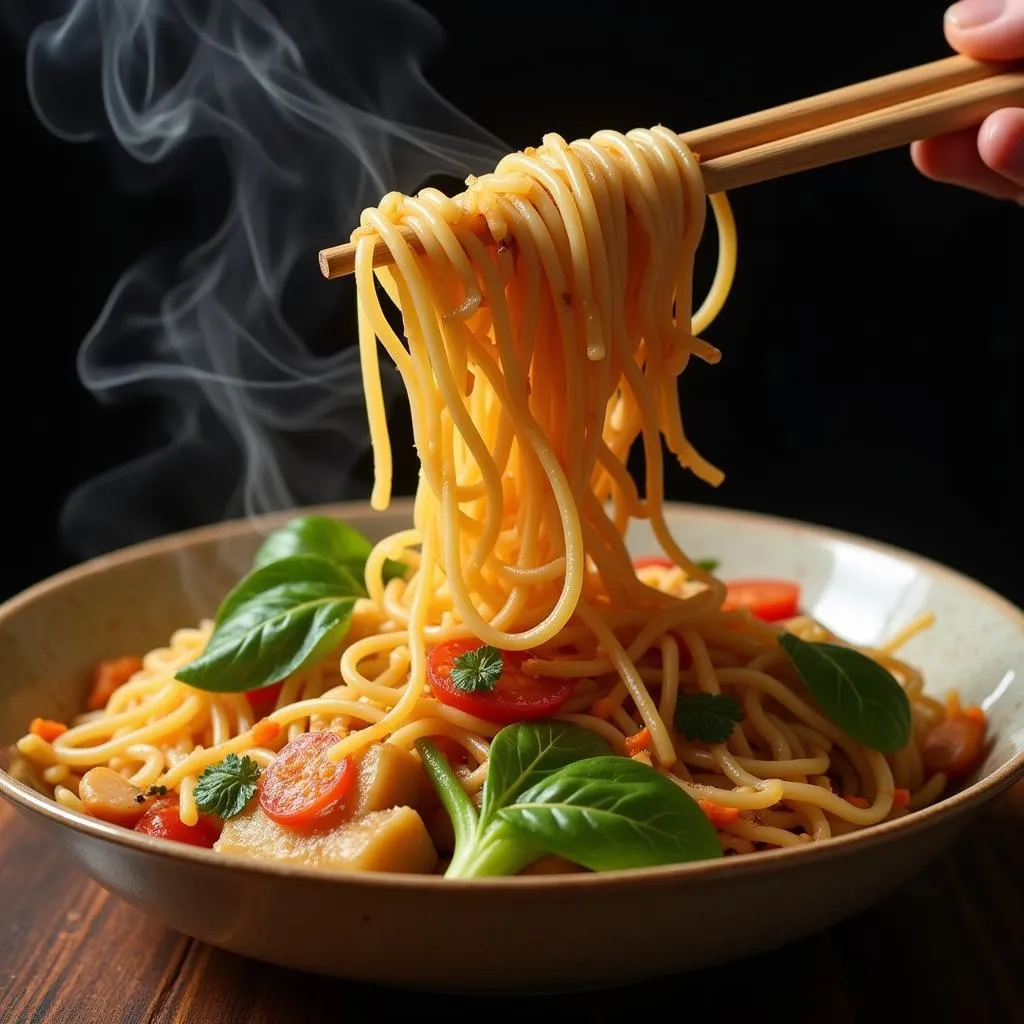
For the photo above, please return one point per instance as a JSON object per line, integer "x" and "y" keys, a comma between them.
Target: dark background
{"x": 871, "y": 343}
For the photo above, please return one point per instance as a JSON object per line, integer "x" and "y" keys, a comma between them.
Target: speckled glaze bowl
{"x": 532, "y": 933}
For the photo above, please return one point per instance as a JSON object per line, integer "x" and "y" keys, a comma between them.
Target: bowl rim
{"x": 962, "y": 802}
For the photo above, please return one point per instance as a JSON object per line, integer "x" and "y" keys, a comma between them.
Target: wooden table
{"x": 948, "y": 946}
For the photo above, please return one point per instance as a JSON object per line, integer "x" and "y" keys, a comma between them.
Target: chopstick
{"x": 868, "y": 117}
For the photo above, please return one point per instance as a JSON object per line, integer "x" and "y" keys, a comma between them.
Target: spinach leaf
{"x": 275, "y": 621}
{"x": 525, "y": 753}
{"x": 454, "y": 798}
{"x": 860, "y": 696}
{"x": 609, "y": 813}
{"x": 329, "y": 538}
{"x": 553, "y": 787}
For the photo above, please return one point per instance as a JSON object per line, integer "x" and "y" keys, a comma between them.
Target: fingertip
{"x": 986, "y": 29}
{"x": 1001, "y": 143}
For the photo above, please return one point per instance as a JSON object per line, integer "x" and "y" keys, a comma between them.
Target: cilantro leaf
{"x": 477, "y": 671}
{"x": 708, "y": 564}
{"x": 707, "y": 717}
{"x": 226, "y": 787}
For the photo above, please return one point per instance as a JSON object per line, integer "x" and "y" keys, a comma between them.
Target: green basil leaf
{"x": 523, "y": 754}
{"x": 277, "y": 620}
{"x": 860, "y": 696}
{"x": 609, "y": 813}
{"x": 329, "y": 538}
{"x": 267, "y": 581}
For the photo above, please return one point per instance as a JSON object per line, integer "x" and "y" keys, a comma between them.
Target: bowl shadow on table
{"x": 947, "y": 945}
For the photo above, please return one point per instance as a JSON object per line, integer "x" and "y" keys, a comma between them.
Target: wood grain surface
{"x": 948, "y": 946}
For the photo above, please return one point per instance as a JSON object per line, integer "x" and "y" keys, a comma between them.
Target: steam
{"x": 314, "y": 112}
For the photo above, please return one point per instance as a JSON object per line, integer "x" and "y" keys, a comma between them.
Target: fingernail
{"x": 969, "y": 14}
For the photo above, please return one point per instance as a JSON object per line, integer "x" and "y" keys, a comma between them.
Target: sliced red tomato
{"x": 263, "y": 700}
{"x": 163, "y": 820}
{"x": 302, "y": 786}
{"x": 769, "y": 600}
{"x": 517, "y": 696}
{"x": 956, "y": 745}
{"x": 653, "y": 560}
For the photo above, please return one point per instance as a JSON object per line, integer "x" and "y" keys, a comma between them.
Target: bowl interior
{"x": 132, "y": 601}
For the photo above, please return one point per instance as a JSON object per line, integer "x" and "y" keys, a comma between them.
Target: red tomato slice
{"x": 652, "y": 560}
{"x": 302, "y": 785}
{"x": 263, "y": 700}
{"x": 163, "y": 820}
{"x": 517, "y": 697}
{"x": 955, "y": 746}
{"x": 769, "y": 600}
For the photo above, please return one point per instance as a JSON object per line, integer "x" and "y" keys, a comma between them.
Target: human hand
{"x": 989, "y": 159}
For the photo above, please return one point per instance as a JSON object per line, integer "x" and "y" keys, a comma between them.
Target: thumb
{"x": 987, "y": 29}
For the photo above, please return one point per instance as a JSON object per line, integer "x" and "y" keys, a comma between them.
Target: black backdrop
{"x": 872, "y": 341}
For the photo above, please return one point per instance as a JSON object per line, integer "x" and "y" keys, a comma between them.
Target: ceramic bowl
{"x": 531, "y": 933}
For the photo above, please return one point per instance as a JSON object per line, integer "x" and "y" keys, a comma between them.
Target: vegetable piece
{"x": 302, "y": 786}
{"x": 108, "y": 676}
{"x": 707, "y": 717}
{"x": 860, "y": 696}
{"x": 612, "y": 813}
{"x": 858, "y": 801}
{"x": 47, "y": 729}
{"x": 275, "y": 621}
{"x": 638, "y": 741}
{"x": 900, "y": 797}
{"x": 546, "y": 793}
{"x": 477, "y": 671}
{"x": 515, "y": 697}
{"x": 264, "y": 700}
{"x": 388, "y": 840}
{"x": 386, "y": 776}
{"x": 327, "y": 538}
{"x": 717, "y": 814}
{"x": 163, "y": 820}
{"x": 770, "y": 600}
{"x": 956, "y": 745}
{"x": 226, "y": 787}
{"x": 109, "y": 796}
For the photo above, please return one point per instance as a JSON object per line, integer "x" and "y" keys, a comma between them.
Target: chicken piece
{"x": 385, "y": 840}
{"x": 389, "y": 776}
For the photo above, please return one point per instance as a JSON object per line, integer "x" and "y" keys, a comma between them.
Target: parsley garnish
{"x": 477, "y": 671}
{"x": 226, "y": 787}
{"x": 707, "y": 717}
{"x": 707, "y": 564}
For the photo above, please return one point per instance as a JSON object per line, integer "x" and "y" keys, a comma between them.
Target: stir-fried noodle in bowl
{"x": 501, "y": 688}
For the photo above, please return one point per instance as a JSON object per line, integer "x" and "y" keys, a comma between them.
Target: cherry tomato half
{"x": 302, "y": 786}
{"x": 263, "y": 700}
{"x": 769, "y": 600}
{"x": 517, "y": 696}
{"x": 955, "y": 745}
{"x": 163, "y": 819}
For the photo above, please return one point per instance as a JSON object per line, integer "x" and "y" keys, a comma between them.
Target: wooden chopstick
{"x": 871, "y": 116}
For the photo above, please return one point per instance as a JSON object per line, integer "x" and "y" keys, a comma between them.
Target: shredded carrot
{"x": 973, "y": 711}
{"x": 265, "y": 731}
{"x": 952, "y": 703}
{"x": 717, "y": 814}
{"x": 900, "y": 797}
{"x": 638, "y": 741}
{"x": 47, "y": 729}
{"x": 601, "y": 708}
{"x": 857, "y": 801}
{"x": 108, "y": 676}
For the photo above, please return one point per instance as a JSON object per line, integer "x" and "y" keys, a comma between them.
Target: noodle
{"x": 547, "y": 314}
